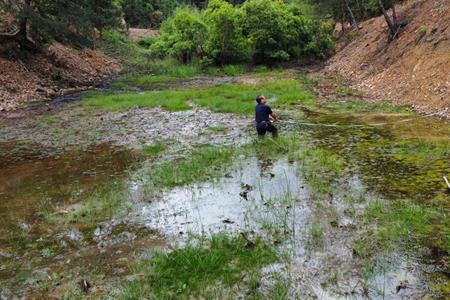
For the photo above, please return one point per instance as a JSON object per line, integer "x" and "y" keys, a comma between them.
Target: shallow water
{"x": 268, "y": 197}
{"x": 225, "y": 204}
{"x": 37, "y": 183}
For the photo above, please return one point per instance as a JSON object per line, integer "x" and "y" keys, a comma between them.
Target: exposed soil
{"x": 411, "y": 70}
{"x": 55, "y": 70}
{"x": 137, "y": 33}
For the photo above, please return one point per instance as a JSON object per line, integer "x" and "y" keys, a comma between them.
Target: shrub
{"x": 261, "y": 31}
{"x": 183, "y": 36}
{"x": 226, "y": 42}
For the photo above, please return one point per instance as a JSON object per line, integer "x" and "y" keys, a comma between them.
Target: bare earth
{"x": 56, "y": 70}
{"x": 413, "y": 70}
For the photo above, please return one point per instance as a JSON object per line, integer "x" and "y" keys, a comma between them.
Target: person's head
{"x": 261, "y": 99}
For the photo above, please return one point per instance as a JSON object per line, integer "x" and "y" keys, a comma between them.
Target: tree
{"x": 183, "y": 36}
{"x": 38, "y": 22}
{"x": 137, "y": 13}
{"x": 226, "y": 42}
{"x": 393, "y": 24}
{"x": 266, "y": 23}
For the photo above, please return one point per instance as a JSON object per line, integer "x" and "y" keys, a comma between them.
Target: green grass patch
{"x": 201, "y": 165}
{"x": 170, "y": 70}
{"x": 195, "y": 270}
{"x": 268, "y": 148}
{"x": 229, "y": 98}
{"x": 154, "y": 149}
{"x": 115, "y": 102}
{"x": 316, "y": 236}
{"x": 403, "y": 223}
{"x": 49, "y": 119}
{"x": 362, "y": 106}
{"x": 420, "y": 149}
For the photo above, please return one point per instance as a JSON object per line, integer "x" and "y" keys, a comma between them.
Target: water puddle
{"x": 38, "y": 255}
{"x": 271, "y": 198}
{"x": 226, "y": 204}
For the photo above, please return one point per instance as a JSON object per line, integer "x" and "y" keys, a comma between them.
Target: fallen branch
{"x": 446, "y": 181}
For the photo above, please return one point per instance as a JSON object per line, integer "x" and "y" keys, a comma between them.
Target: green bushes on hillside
{"x": 259, "y": 31}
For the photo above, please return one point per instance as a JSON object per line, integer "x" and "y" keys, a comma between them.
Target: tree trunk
{"x": 352, "y": 16}
{"x": 394, "y": 15}
{"x": 22, "y": 35}
{"x": 392, "y": 23}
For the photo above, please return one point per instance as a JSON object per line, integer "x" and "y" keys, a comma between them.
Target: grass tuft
{"x": 191, "y": 271}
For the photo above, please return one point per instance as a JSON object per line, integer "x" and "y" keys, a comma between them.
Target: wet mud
{"x": 50, "y": 166}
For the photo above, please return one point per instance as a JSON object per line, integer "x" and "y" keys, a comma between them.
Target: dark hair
{"x": 259, "y": 98}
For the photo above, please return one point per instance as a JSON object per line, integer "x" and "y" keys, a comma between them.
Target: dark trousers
{"x": 263, "y": 127}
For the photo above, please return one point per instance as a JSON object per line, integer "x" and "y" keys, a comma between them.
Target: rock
{"x": 5, "y": 294}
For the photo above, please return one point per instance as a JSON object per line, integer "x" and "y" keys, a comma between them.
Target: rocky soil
{"x": 411, "y": 70}
{"x": 55, "y": 70}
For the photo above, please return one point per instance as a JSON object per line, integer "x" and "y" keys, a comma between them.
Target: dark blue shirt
{"x": 262, "y": 112}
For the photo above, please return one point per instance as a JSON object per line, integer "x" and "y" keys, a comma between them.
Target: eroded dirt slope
{"x": 413, "y": 69}
{"x": 53, "y": 71}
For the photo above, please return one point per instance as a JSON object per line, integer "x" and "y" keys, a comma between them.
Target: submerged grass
{"x": 229, "y": 98}
{"x": 100, "y": 205}
{"x": 154, "y": 149}
{"x": 201, "y": 165}
{"x": 321, "y": 168}
{"x": 190, "y": 272}
{"x": 362, "y": 106}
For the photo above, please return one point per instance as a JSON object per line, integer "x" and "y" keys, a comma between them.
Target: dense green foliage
{"x": 66, "y": 21}
{"x": 147, "y": 13}
{"x": 259, "y": 31}
{"x": 211, "y": 32}
{"x": 182, "y": 37}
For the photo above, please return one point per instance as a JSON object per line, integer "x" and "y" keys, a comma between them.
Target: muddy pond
{"x": 56, "y": 240}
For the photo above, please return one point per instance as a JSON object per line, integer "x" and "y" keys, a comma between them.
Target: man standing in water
{"x": 264, "y": 117}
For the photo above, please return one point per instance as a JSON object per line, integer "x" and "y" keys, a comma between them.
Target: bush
{"x": 261, "y": 31}
{"x": 146, "y": 42}
{"x": 183, "y": 36}
{"x": 266, "y": 23}
{"x": 226, "y": 42}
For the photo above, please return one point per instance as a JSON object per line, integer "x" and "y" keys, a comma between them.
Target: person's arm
{"x": 272, "y": 115}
